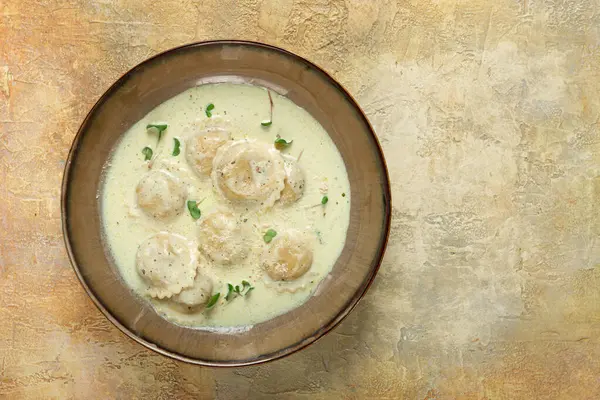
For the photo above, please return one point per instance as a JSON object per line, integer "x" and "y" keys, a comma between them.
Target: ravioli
{"x": 294, "y": 181}
{"x": 222, "y": 238}
{"x": 167, "y": 263}
{"x": 288, "y": 257}
{"x": 224, "y": 227}
{"x": 197, "y": 295}
{"x": 202, "y": 146}
{"x": 249, "y": 173}
{"x": 160, "y": 194}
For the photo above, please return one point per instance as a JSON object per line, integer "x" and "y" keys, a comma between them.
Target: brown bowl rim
{"x": 353, "y": 301}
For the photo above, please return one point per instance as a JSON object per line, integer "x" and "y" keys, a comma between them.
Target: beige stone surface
{"x": 488, "y": 112}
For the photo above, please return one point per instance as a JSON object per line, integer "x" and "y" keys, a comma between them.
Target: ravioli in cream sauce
{"x": 223, "y": 211}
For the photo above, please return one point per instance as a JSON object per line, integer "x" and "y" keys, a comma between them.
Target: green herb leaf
{"x": 281, "y": 144}
{"x": 160, "y": 128}
{"x": 266, "y": 122}
{"x": 229, "y": 292}
{"x": 212, "y": 301}
{"x": 209, "y": 108}
{"x": 176, "y": 150}
{"x": 192, "y": 206}
{"x": 247, "y": 287}
{"x": 234, "y": 291}
{"x": 324, "y": 200}
{"x": 343, "y": 194}
{"x": 147, "y": 152}
{"x": 269, "y": 235}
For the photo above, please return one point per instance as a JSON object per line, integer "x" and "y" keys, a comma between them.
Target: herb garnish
{"x": 176, "y": 150}
{"x": 268, "y": 122}
{"x": 343, "y": 194}
{"x": 324, "y": 200}
{"x": 247, "y": 284}
{"x": 160, "y": 128}
{"x": 234, "y": 291}
{"x": 147, "y": 152}
{"x": 209, "y": 108}
{"x": 229, "y": 291}
{"x": 213, "y": 300}
{"x": 192, "y": 206}
{"x": 281, "y": 144}
{"x": 269, "y": 235}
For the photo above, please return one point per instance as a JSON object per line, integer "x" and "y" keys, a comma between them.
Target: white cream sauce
{"x": 242, "y": 108}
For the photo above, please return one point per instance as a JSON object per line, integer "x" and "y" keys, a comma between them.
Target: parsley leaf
{"x": 229, "y": 292}
{"x": 212, "y": 301}
{"x": 147, "y": 152}
{"x": 235, "y": 291}
{"x": 209, "y": 109}
{"x": 281, "y": 144}
{"x": 247, "y": 287}
{"x": 324, "y": 200}
{"x": 192, "y": 206}
{"x": 176, "y": 150}
{"x": 160, "y": 128}
{"x": 269, "y": 235}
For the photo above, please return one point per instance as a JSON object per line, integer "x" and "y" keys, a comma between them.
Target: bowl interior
{"x": 162, "y": 77}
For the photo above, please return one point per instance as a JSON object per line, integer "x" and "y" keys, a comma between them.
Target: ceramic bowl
{"x": 160, "y": 78}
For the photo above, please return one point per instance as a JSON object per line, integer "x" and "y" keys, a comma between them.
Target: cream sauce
{"x": 241, "y": 108}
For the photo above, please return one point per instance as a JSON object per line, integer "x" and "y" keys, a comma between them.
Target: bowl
{"x": 160, "y": 78}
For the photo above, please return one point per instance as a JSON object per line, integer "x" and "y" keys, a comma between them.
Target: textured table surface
{"x": 488, "y": 112}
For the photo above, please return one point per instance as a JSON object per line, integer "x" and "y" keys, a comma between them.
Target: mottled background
{"x": 488, "y": 112}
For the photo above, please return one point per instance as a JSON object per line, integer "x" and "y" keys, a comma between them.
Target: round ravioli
{"x": 288, "y": 257}
{"x": 202, "y": 147}
{"x": 222, "y": 238}
{"x": 160, "y": 194}
{"x": 192, "y": 298}
{"x": 249, "y": 173}
{"x": 167, "y": 263}
{"x": 294, "y": 181}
